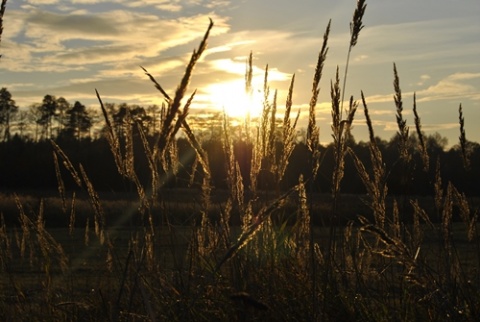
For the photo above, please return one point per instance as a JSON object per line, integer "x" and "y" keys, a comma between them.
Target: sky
{"x": 70, "y": 48}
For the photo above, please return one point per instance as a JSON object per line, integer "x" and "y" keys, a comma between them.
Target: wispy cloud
{"x": 426, "y": 41}
{"x": 55, "y": 39}
{"x": 452, "y": 87}
{"x": 423, "y": 78}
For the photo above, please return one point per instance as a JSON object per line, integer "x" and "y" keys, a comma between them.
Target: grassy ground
{"x": 94, "y": 277}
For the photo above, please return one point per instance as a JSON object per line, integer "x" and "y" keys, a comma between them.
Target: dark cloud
{"x": 83, "y": 24}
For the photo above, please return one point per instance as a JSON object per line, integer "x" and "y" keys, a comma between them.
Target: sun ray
{"x": 231, "y": 97}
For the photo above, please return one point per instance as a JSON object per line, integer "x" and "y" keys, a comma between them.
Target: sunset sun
{"x": 231, "y": 97}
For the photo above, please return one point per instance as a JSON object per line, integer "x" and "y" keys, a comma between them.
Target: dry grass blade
{"x": 288, "y": 134}
{"x": 173, "y": 108}
{"x": 199, "y": 151}
{"x": 129, "y": 161}
{"x": 376, "y": 185}
{"x": 248, "y": 301}
{"x": 234, "y": 176}
{"x": 170, "y": 127}
{"x": 249, "y": 74}
{"x": 356, "y": 25}
{"x": 313, "y": 132}
{"x": 375, "y": 154}
{"x": 402, "y": 124}
{"x": 463, "y": 139}
{"x": 48, "y": 246}
{"x": 264, "y": 122}
{"x": 272, "y": 130}
{"x": 4, "y": 240}
{"x": 421, "y": 212}
{"x": 438, "y": 188}
{"x": 447, "y": 214}
{"x": 151, "y": 161}
{"x": 352, "y": 109}
{"x": 466, "y": 214}
{"x": 322, "y": 57}
{"x": 60, "y": 184}
{"x": 371, "y": 133}
{"x": 336, "y": 113}
{"x": 112, "y": 139}
{"x": 97, "y": 207}
{"x": 301, "y": 231}
{"x": 157, "y": 85}
{"x": 340, "y": 133}
{"x": 2, "y": 12}
{"x": 249, "y": 93}
{"x": 249, "y": 232}
{"x": 71, "y": 224}
{"x": 180, "y": 92}
{"x": 418, "y": 127}
{"x": 67, "y": 163}
{"x": 202, "y": 158}
{"x": 263, "y": 149}
{"x": 395, "y": 246}
{"x": 182, "y": 115}
{"x": 288, "y": 108}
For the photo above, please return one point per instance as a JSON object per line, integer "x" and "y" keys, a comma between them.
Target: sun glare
{"x": 231, "y": 97}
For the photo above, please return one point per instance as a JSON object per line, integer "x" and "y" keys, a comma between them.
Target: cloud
{"x": 65, "y": 24}
{"x": 62, "y": 41}
{"x": 361, "y": 58}
{"x": 176, "y": 5}
{"x": 423, "y": 79}
{"x": 165, "y": 5}
{"x": 42, "y": 2}
{"x": 463, "y": 76}
{"x": 227, "y": 47}
{"x": 238, "y": 67}
{"x": 452, "y": 87}
{"x": 428, "y": 41}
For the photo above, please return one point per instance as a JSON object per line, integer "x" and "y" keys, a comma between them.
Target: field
{"x": 245, "y": 253}
{"x": 69, "y": 274}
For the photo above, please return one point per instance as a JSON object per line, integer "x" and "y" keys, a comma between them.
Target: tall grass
{"x": 2, "y": 12}
{"x": 255, "y": 255}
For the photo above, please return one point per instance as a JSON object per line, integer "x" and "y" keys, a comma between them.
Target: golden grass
{"x": 275, "y": 265}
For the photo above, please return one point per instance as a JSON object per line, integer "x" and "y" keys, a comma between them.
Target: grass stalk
{"x": 421, "y": 139}
{"x": 313, "y": 132}
{"x": 403, "y": 129}
{"x": 463, "y": 139}
{"x": 2, "y": 12}
{"x": 356, "y": 25}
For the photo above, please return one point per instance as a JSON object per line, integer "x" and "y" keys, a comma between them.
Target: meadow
{"x": 245, "y": 253}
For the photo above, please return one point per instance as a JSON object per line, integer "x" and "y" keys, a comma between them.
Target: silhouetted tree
{"x": 22, "y": 121}
{"x": 78, "y": 121}
{"x": 48, "y": 109}
{"x": 61, "y": 114}
{"x": 7, "y": 109}
{"x": 134, "y": 114}
{"x": 153, "y": 112}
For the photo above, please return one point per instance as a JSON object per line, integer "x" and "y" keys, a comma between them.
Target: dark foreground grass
{"x": 100, "y": 280}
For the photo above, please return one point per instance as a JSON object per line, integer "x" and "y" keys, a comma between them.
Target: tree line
{"x": 58, "y": 118}
{"x": 26, "y": 158}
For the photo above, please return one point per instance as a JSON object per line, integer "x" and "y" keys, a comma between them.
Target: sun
{"x": 231, "y": 97}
